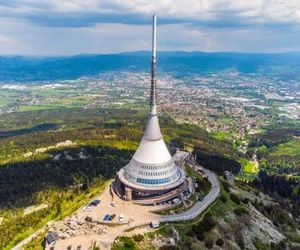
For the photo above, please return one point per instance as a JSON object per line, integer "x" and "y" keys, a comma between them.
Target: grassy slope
{"x": 67, "y": 207}
{"x": 249, "y": 167}
{"x": 288, "y": 148}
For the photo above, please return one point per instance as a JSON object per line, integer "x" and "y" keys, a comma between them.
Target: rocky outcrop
{"x": 74, "y": 226}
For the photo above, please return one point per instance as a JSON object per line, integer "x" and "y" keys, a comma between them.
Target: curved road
{"x": 199, "y": 206}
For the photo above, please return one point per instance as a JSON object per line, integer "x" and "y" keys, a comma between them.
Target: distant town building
{"x": 51, "y": 238}
{"x": 228, "y": 176}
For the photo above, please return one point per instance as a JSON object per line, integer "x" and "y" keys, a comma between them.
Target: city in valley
{"x": 230, "y": 104}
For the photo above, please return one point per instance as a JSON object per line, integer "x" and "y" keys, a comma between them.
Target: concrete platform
{"x": 84, "y": 235}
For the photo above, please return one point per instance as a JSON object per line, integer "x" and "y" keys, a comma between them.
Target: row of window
{"x": 150, "y": 181}
{"x": 153, "y": 173}
{"x": 129, "y": 177}
{"x": 155, "y": 167}
{"x": 153, "y": 182}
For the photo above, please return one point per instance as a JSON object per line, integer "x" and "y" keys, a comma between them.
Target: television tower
{"x": 152, "y": 175}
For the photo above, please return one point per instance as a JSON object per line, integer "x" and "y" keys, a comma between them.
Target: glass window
{"x": 149, "y": 181}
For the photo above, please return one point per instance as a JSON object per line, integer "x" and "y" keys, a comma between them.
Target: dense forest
{"x": 216, "y": 162}
{"x": 279, "y": 148}
{"x": 19, "y": 182}
{"x": 279, "y": 156}
{"x": 48, "y": 182}
{"x": 285, "y": 188}
{"x": 284, "y": 185}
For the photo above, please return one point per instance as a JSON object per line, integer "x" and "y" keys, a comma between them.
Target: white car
{"x": 121, "y": 217}
{"x": 175, "y": 201}
{"x": 87, "y": 208}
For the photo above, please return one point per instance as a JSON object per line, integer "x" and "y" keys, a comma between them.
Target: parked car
{"x": 112, "y": 217}
{"x": 89, "y": 219}
{"x": 106, "y": 217}
{"x": 95, "y": 202}
{"x": 176, "y": 200}
{"x": 87, "y": 208}
{"x": 121, "y": 217}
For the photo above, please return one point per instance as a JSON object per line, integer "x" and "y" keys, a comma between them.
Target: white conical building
{"x": 152, "y": 175}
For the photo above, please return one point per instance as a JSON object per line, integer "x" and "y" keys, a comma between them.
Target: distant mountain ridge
{"x": 27, "y": 69}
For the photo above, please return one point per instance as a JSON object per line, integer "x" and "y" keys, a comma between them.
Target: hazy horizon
{"x": 148, "y": 52}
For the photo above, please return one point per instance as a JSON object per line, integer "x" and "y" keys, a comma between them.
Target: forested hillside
{"x": 60, "y": 177}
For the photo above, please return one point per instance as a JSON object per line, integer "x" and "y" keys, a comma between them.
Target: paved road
{"x": 199, "y": 206}
{"x": 30, "y": 238}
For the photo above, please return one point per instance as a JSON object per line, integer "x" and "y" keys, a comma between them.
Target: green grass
{"x": 25, "y": 108}
{"x": 126, "y": 243}
{"x": 289, "y": 148}
{"x": 75, "y": 101}
{"x": 36, "y": 243}
{"x": 249, "y": 167}
{"x": 219, "y": 135}
{"x": 225, "y": 119}
{"x": 49, "y": 92}
{"x": 246, "y": 177}
{"x": 67, "y": 208}
{"x": 66, "y": 103}
{"x": 6, "y": 98}
{"x": 4, "y": 101}
{"x": 219, "y": 208}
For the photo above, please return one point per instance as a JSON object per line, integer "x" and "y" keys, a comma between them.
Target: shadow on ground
{"x": 19, "y": 182}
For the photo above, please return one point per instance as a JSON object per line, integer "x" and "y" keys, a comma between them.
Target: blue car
{"x": 106, "y": 217}
{"x": 95, "y": 202}
{"x": 111, "y": 217}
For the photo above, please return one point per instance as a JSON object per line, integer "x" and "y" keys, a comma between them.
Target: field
{"x": 219, "y": 135}
{"x": 6, "y": 98}
{"x": 249, "y": 167}
{"x": 291, "y": 148}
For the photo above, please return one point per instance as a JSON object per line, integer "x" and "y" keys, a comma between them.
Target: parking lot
{"x": 112, "y": 214}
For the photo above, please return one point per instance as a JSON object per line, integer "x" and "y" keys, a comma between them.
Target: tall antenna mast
{"x": 153, "y": 63}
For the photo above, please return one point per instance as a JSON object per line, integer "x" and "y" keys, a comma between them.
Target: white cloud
{"x": 47, "y": 27}
{"x": 272, "y": 11}
{"x": 5, "y": 39}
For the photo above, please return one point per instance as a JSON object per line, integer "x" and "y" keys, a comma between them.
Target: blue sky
{"x": 67, "y": 27}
